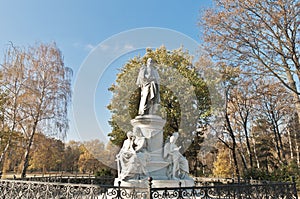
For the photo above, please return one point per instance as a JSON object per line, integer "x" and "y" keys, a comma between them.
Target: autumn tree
{"x": 87, "y": 162}
{"x": 108, "y": 157}
{"x": 71, "y": 156}
{"x": 228, "y": 137}
{"x": 12, "y": 87}
{"x": 46, "y": 154}
{"x": 42, "y": 94}
{"x": 263, "y": 146}
{"x": 255, "y": 119}
{"x": 261, "y": 36}
{"x": 12, "y": 158}
{"x": 223, "y": 166}
{"x": 276, "y": 107}
{"x": 225, "y": 127}
{"x": 95, "y": 158}
{"x": 241, "y": 105}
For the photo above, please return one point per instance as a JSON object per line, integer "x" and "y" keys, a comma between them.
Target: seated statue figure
{"x": 178, "y": 167}
{"x": 126, "y": 157}
{"x": 140, "y": 147}
{"x": 132, "y": 157}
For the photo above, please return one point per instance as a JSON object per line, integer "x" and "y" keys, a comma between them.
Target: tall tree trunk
{"x": 241, "y": 151}
{"x": 296, "y": 98}
{"x": 27, "y": 151}
{"x": 26, "y": 157}
{"x": 248, "y": 142}
{"x": 255, "y": 153}
{"x": 280, "y": 142}
{"x": 234, "y": 145}
{"x": 2, "y": 156}
{"x": 236, "y": 166}
{"x": 297, "y": 148}
{"x": 290, "y": 144}
{"x": 243, "y": 160}
{"x": 297, "y": 137}
{"x": 276, "y": 142}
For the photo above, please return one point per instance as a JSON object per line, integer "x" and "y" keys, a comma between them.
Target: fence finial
{"x": 149, "y": 194}
{"x": 150, "y": 181}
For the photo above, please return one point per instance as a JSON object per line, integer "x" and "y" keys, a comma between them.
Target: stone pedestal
{"x": 152, "y": 129}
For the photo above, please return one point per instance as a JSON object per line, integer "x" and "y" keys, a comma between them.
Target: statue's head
{"x": 176, "y": 134}
{"x": 174, "y": 137}
{"x": 130, "y": 134}
{"x": 149, "y": 61}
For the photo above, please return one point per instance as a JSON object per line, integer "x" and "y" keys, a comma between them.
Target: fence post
{"x": 119, "y": 190}
{"x": 180, "y": 191}
{"x": 149, "y": 195}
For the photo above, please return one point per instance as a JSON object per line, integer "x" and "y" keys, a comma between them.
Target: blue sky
{"x": 78, "y": 27}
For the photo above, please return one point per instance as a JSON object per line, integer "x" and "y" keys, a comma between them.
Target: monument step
{"x": 155, "y": 183}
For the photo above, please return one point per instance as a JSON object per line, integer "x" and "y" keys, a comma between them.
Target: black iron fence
{"x": 230, "y": 191}
{"x": 17, "y": 189}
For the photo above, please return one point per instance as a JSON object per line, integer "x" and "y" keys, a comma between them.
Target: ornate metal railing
{"x": 16, "y": 189}
{"x": 229, "y": 191}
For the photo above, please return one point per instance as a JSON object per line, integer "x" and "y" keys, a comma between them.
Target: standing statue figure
{"x": 178, "y": 167}
{"x": 148, "y": 81}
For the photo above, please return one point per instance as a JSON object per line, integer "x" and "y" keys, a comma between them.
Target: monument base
{"x": 151, "y": 127}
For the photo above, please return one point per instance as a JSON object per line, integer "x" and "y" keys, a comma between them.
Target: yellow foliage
{"x": 222, "y": 166}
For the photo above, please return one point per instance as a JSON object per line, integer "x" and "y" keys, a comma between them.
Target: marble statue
{"x": 143, "y": 157}
{"x": 126, "y": 157}
{"x": 178, "y": 167}
{"x": 148, "y": 81}
{"x": 144, "y": 153}
{"x": 133, "y": 157}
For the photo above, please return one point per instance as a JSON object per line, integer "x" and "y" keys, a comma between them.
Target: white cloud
{"x": 104, "y": 47}
{"x": 89, "y": 47}
{"x": 128, "y": 47}
{"x": 116, "y": 47}
{"x": 85, "y": 47}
